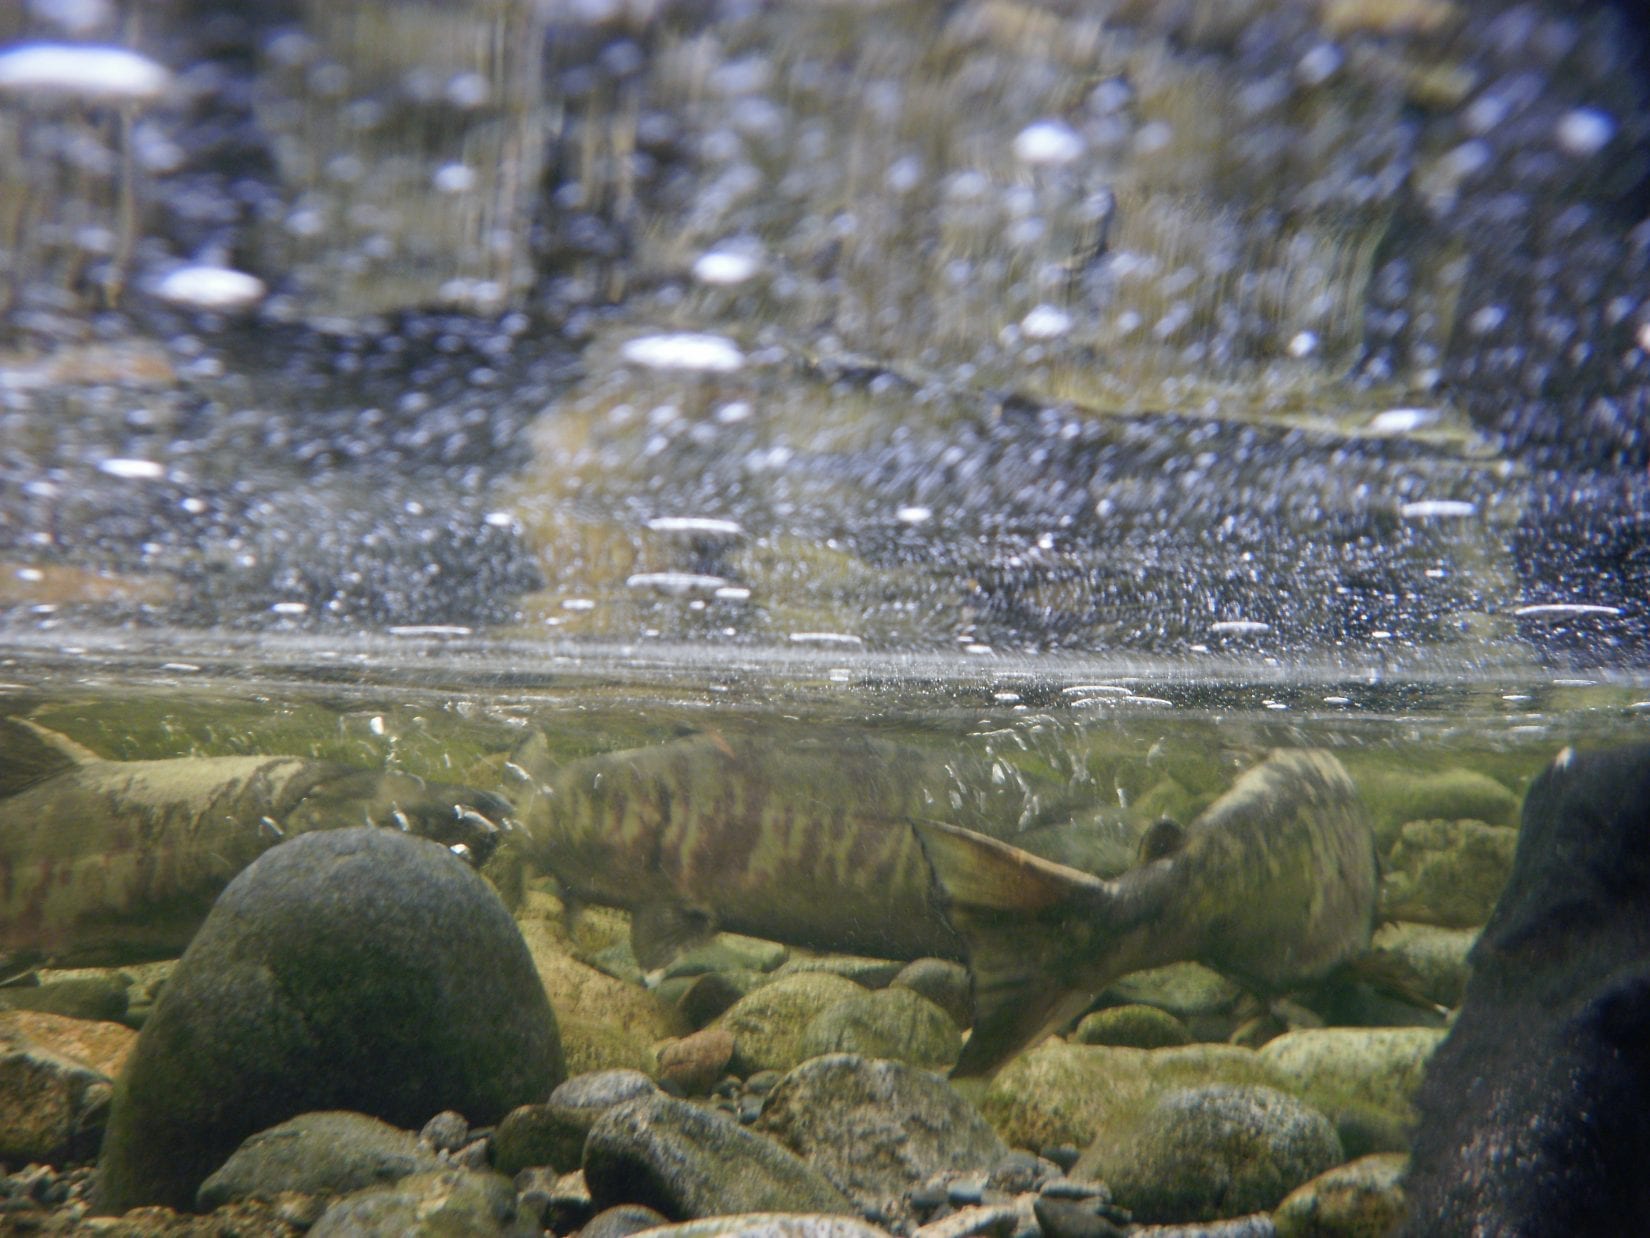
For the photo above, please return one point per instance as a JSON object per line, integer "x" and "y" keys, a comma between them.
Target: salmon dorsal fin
{"x": 661, "y": 931}
{"x": 1025, "y": 923}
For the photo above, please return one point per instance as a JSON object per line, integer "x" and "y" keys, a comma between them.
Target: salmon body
{"x": 1274, "y": 885}
{"x": 106, "y": 862}
{"x": 799, "y": 844}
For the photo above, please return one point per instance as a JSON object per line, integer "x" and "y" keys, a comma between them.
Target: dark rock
{"x": 553, "y": 1133}
{"x": 1202, "y": 1154}
{"x": 351, "y": 969}
{"x": 446, "y": 1132}
{"x": 1017, "y": 1172}
{"x": 1549, "y": 1060}
{"x": 690, "y": 1162}
{"x": 540, "y": 1135}
{"x": 876, "y": 1128}
{"x": 706, "y": 996}
{"x": 1066, "y": 1218}
{"x": 317, "y": 1153}
{"x": 621, "y": 1221}
{"x": 429, "y": 1205}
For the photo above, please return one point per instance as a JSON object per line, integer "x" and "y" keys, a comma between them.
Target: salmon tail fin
{"x": 1026, "y": 924}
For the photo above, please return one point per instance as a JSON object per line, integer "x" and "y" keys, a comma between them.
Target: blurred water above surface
{"x": 1267, "y": 335}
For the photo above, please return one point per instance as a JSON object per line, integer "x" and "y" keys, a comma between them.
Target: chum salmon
{"x": 109, "y": 862}
{"x": 833, "y": 848}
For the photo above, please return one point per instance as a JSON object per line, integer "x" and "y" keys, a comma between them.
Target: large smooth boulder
{"x": 352, "y": 969}
{"x": 1533, "y": 1113}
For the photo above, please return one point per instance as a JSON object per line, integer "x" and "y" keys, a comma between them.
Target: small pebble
{"x": 446, "y": 1132}
{"x": 1016, "y": 1172}
{"x": 965, "y": 1191}
{"x": 929, "y": 1196}
{"x": 535, "y": 1188}
{"x": 1063, "y": 1155}
{"x": 1065, "y": 1218}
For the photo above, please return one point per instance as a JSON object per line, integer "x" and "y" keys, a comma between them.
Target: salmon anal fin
{"x": 1026, "y": 924}
{"x": 661, "y": 931}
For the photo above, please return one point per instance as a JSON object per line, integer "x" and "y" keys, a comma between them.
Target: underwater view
{"x": 1014, "y": 618}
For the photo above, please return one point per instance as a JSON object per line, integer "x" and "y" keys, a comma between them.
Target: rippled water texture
{"x": 1296, "y": 332}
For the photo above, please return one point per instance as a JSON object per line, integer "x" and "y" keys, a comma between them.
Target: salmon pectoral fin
{"x": 1026, "y": 924}
{"x": 661, "y": 931}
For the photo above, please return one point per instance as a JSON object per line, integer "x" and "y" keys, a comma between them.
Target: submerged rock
{"x": 1533, "y": 1114}
{"x": 896, "y": 1023}
{"x": 1363, "y": 1078}
{"x": 357, "y": 969}
{"x": 877, "y": 1128}
{"x": 52, "y": 1105}
{"x": 1133, "y": 1026}
{"x": 768, "y": 1023}
{"x": 1060, "y": 1094}
{"x": 1447, "y": 872}
{"x": 1207, "y": 1153}
{"x": 429, "y": 1205}
{"x": 690, "y": 1162}
{"x": 1361, "y": 1199}
{"x": 317, "y": 1153}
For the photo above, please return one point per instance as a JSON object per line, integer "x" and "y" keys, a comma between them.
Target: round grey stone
{"x": 332, "y": 1152}
{"x": 690, "y": 1162}
{"x": 356, "y": 969}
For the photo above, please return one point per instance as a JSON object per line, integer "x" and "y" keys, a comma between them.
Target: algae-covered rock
{"x": 353, "y": 969}
{"x": 553, "y": 1133}
{"x": 1200, "y": 1154}
{"x": 942, "y": 982}
{"x": 1360, "y": 1199}
{"x": 1064, "y": 1094}
{"x": 1395, "y": 797}
{"x": 690, "y": 1162}
{"x": 896, "y": 1023}
{"x": 877, "y": 1128}
{"x": 1364, "y": 1078}
{"x": 438, "y": 1204}
{"x": 1434, "y": 955}
{"x": 1447, "y": 872}
{"x": 583, "y": 992}
{"x": 1134, "y": 1026}
{"x": 329, "y": 1152}
{"x": 768, "y": 1023}
{"x": 1189, "y": 991}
